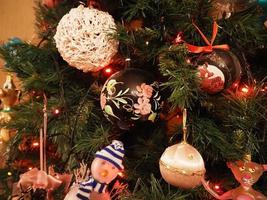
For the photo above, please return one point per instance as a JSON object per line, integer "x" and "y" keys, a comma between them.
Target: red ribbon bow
{"x": 204, "y": 49}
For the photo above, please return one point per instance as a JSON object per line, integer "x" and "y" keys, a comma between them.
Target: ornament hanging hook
{"x": 184, "y": 125}
{"x": 43, "y": 135}
{"x": 247, "y": 157}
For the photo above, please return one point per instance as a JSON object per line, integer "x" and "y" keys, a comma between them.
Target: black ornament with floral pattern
{"x": 129, "y": 96}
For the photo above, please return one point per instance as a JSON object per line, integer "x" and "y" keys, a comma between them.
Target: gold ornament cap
{"x": 247, "y": 157}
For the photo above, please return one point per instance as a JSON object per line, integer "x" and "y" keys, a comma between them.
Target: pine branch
{"x": 48, "y": 18}
{"x": 93, "y": 141}
{"x": 154, "y": 190}
{"x": 213, "y": 144}
{"x": 182, "y": 78}
{"x": 244, "y": 31}
{"x": 247, "y": 114}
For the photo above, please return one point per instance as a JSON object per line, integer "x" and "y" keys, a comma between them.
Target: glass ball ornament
{"x": 12, "y": 42}
{"x": 11, "y": 46}
{"x": 218, "y": 70}
{"x": 262, "y": 2}
{"x": 181, "y": 165}
{"x": 129, "y": 96}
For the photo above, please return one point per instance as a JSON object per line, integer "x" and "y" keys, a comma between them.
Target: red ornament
{"x": 51, "y": 3}
{"x": 218, "y": 70}
{"x": 218, "y": 67}
{"x": 108, "y": 71}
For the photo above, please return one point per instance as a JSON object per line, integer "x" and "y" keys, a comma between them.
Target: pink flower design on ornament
{"x": 144, "y": 90}
{"x": 103, "y": 100}
{"x": 143, "y": 107}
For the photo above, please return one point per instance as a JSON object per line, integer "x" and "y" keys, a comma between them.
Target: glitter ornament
{"x": 181, "y": 165}
{"x": 129, "y": 96}
{"x": 50, "y": 3}
{"x": 83, "y": 38}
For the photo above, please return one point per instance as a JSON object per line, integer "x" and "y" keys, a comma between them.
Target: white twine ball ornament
{"x": 84, "y": 38}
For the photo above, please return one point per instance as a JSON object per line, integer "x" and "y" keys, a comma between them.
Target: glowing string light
{"x": 217, "y": 187}
{"x": 56, "y": 111}
{"x": 108, "y": 70}
{"x": 245, "y": 89}
{"x": 35, "y": 144}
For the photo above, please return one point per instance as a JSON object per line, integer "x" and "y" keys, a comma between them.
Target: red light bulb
{"x": 108, "y": 70}
{"x": 188, "y": 61}
{"x": 245, "y": 89}
{"x": 217, "y": 187}
{"x": 35, "y": 144}
{"x": 56, "y": 111}
{"x": 235, "y": 85}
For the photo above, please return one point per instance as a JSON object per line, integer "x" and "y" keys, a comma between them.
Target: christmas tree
{"x": 171, "y": 94}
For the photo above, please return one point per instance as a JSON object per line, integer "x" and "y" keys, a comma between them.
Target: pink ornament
{"x": 246, "y": 173}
